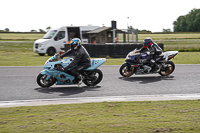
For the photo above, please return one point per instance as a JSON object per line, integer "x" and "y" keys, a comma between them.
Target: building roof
{"x": 100, "y": 29}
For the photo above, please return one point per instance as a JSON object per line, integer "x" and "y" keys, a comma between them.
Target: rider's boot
{"x": 78, "y": 80}
{"x": 154, "y": 66}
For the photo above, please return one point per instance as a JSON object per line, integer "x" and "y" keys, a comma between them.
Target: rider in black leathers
{"x": 81, "y": 60}
{"x": 155, "y": 52}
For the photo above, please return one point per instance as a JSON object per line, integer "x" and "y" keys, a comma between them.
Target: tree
{"x": 189, "y": 22}
{"x": 144, "y": 31}
{"x": 33, "y": 31}
{"x": 7, "y": 30}
{"x": 48, "y": 28}
{"x": 41, "y": 30}
{"x": 166, "y": 30}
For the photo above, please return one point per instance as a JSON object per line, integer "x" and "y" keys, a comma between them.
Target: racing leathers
{"x": 155, "y": 54}
{"x": 81, "y": 61}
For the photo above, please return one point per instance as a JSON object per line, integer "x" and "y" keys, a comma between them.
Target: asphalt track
{"x": 18, "y": 87}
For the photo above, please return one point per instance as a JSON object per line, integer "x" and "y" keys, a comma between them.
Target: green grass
{"x": 21, "y": 59}
{"x": 116, "y": 117}
{"x": 180, "y": 42}
{"x": 33, "y": 59}
{"x": 21, "y": 54}
{"x": 16, "y": 47}
{"x": 20, "y": 36}
{"x": 187, "y": 45}
{"x": 181, "y": 58}
{"x": 173, "y": 36}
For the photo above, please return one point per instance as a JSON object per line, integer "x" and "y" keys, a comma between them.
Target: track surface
{"x": 19, "y": 83}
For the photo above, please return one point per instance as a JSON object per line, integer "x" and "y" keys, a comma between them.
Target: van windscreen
{"x": 49, "y": 34}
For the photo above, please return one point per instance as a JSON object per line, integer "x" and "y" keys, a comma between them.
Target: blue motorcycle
{"x": 133, "y": 64}
{"x": 52, "y": 74}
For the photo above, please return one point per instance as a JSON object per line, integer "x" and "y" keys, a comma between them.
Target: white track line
{"x": 38, "y": 102}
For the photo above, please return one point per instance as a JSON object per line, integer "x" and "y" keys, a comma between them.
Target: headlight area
{"x": 41, "y": 45}
{"x": 39, "y": 48}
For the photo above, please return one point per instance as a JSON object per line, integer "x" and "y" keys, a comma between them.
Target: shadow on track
{"x": 67, "y": 91}
{"x": 146, "y": 80}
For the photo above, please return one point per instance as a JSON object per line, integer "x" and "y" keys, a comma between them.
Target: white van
{"x": 54, "y": 40}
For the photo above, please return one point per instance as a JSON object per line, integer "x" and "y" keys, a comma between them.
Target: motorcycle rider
{"x": 155, "y": 53}
{"x": 81, "y": 60}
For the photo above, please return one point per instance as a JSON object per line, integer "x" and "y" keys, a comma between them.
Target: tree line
{"x": 189, "y": 22}
{"x": 40, "y": 30}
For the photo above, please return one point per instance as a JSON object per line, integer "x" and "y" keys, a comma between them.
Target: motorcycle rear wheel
{"x": 170, "y": 67}
{"x": 126, "y": 70}
{"x": 93, "y": 77}
{"x": 41, "y": 81}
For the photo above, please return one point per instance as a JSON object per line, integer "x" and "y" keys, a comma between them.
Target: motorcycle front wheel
{"x": 168, "y": 69}
{"x": 93, "y": 77}
{"x": 41, "y": 81}
{"x": 126, "y": 70}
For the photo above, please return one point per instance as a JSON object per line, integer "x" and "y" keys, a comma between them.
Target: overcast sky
{"x": 153, "y": 15}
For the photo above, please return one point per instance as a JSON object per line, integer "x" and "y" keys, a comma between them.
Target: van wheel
{"x": 51, "y": 51}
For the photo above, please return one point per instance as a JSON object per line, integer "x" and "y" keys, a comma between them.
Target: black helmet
{"x": 75, "y": 44}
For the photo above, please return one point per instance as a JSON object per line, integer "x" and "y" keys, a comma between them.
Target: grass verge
{"x": 28, "y": 58}
{"x": 20, "y": 36}
{"x": 21, "y": 54}
{"x": 145, "y": 116}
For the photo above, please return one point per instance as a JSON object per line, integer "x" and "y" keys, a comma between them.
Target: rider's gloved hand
{"x": 53, "y": 57}
{"x": 56, "y": 57}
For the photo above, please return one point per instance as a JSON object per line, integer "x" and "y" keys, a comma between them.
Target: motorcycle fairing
{"x": 62, "y": 76}
{"x": 95, "y": 63}
{"x": 170, "y": 54}
{"x": 59, "y": 76}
